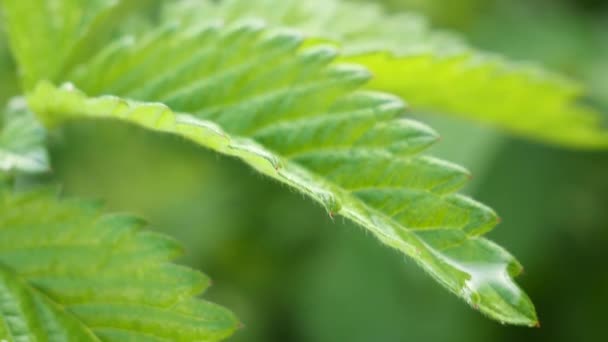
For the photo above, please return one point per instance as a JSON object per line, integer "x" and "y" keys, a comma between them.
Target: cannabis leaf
{"x": 434, "y": 71}
{"x": 295, "y": 115}
{"x": 21, "y": 140}
{"x": 70, "y": 273}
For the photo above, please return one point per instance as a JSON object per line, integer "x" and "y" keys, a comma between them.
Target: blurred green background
{"x": 292, "y": 274}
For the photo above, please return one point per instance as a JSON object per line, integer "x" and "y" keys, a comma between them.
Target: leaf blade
{"x": 64, "y": 264}
{"x": 310, "y": 127}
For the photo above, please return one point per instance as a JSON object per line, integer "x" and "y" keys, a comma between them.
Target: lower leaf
{"x": 70, "y": 273}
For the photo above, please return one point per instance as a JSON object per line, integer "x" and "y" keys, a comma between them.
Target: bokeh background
{"x": 292, "y": 274}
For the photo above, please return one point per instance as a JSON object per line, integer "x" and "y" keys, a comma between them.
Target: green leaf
{"x": 295, "y": 115}
{"x": 70, "y": 273}
{"x": 45, "y": 35}
{"x": 21, "y": 140}
{"x": 9, "y": 85}
{"x": 432, "y": 70}
{"x": 525, "y": 102}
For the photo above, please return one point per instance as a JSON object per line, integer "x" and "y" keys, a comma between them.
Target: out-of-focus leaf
{"x": 70, "y": 273}
{"x": 522, "y": 102}
{"x": 45, "y": 35}
{"x": 574, "y": 42}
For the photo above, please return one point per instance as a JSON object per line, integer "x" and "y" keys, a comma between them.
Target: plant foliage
{"x": 433, "y": 70}
{"x": 295, "y": 115}
{"x": 308, "y": 111}
{"x": 70, "y": 273}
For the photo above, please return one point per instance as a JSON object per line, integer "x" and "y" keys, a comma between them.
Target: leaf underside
{"x": 293, "y": 113}
{"x": 70, "y": 273}
{"x": 434, "y": 71}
